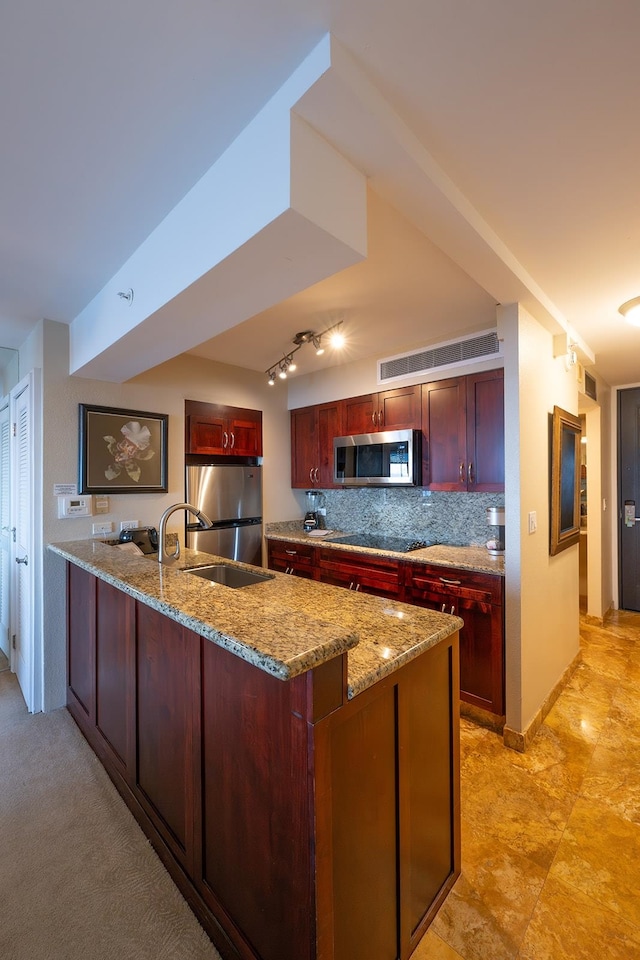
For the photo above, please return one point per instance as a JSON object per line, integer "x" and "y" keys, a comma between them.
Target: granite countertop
{"x": 284, "y": 625}
{"x": 475, "y": 558}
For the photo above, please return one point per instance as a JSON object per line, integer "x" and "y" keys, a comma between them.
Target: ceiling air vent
{"x": 452, "y": 353}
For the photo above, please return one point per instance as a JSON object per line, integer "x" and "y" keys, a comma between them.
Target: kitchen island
{"x": 290, "y": 749}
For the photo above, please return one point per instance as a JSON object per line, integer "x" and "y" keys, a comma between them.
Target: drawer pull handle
{"x": 452, "y": 583}
{"x": 453, "y": 610}
{"x": 442, "y": 610}
{"x": 291, "y": 553}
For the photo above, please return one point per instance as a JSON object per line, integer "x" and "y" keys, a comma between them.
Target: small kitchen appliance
{"x": 495, "y": 518}
{"x": 312, "y": 514}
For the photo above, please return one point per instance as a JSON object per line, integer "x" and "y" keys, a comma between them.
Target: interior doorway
{"x": 629, "y": 498}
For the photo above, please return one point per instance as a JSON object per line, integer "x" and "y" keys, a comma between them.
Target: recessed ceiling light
{"x": 631, "y": 311}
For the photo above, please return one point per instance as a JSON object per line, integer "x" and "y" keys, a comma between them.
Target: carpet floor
{"x": 78, "y": 878}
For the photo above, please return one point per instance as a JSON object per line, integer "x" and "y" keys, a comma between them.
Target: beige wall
{"x": 542, "y": 634}
{"x": 161, "y": 390}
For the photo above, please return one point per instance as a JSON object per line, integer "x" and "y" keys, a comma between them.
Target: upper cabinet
{"x": 463, "y": 433}
{"x": 312, "y": 433}
{"x": 397, "y": 409}
{"x": 462, "y": 421}
{"x": 214, "y": 429}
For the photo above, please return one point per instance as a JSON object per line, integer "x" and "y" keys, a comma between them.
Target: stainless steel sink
{"x": 227, "y": 575}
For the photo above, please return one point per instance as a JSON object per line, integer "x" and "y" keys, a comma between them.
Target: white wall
{"x": 542, "y": 634}
{"x": 161, "y": 390}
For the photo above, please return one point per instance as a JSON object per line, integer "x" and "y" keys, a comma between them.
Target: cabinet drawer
{"x": 290, "y": 557}
{"x": 463, "y": 584}
{"x": 370, "y": 574}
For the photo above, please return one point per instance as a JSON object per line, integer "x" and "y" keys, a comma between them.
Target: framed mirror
{"x": 565, "y": 481}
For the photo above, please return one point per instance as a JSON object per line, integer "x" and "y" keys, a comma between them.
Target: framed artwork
{"x": 122, "y": 451}
{"x": 565, "y": 481}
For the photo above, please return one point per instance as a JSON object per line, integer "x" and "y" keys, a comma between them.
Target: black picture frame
{"x": 565, "y": 481}
{"x": 122, "y": 451}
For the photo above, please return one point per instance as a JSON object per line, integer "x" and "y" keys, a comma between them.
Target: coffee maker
{"x": 311, "y": 517}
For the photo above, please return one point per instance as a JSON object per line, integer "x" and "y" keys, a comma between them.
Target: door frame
{"x": 35, "y": 681}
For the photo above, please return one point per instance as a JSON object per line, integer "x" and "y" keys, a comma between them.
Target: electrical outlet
{"x": 129, "y": 525}
{"x": 533, "y": 521}
{"x": 99, "y": 529}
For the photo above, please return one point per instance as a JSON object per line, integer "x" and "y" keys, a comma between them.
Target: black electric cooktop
{"x": 379, "y": 542}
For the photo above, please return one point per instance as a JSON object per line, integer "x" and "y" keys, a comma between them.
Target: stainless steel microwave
{"x": 391, "y": 457}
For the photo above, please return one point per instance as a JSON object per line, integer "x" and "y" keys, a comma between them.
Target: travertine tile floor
{"x": 551, "y": 838}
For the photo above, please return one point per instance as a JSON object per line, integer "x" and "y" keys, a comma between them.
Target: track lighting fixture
{"x": 287, "y": 364}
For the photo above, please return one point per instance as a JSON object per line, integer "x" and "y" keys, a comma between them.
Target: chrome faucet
{"x": 203, "y": 519}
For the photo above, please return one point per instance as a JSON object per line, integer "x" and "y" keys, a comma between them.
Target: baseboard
{"x": 482, "y": 717}
{"x": 522, "y": 740}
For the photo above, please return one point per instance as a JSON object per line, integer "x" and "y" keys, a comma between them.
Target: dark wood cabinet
{"x": 100, "y": 665}
{"x": 474, "y": 596}
{"x": 365, "y": 573}
{"x": 298, "y": 824}
{"x": 168, "y": 729}
{"x": 219, "y": 430}
{"x": 114, "y": 660}
{"x": 312, "y": 432}
{"x": 463, "y": 433}
{"x": 478, "y": 599}
{"x": 397, "y": 409}
{"x": 290, "y": 557}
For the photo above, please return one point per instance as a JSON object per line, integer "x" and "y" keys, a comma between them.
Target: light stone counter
{"x": 464, "y": 558}
{"x": 284, "y": 625}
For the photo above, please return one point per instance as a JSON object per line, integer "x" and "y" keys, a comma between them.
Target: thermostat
{"x": 77, "y": 506}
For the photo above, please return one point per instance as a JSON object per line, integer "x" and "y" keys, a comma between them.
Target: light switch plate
{"x": 533, "y": 521}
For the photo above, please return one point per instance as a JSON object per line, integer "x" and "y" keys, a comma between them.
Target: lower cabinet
{"x": 474, "y": 596}
{"x": 298, "y": 824}
{"x": 478, "y": 599}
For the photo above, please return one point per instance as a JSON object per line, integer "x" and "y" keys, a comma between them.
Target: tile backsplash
{"x": 456, "y": 518}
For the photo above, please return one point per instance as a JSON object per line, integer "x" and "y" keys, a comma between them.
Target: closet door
{"x": 5, "y": 529}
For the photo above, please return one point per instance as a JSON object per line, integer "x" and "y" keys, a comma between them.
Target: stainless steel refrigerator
{"x": 231, "y": 496}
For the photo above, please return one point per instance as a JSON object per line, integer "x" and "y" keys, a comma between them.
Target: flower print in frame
{"x": 122, "y": 451}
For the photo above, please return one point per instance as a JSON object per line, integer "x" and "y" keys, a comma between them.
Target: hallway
{"x": 551, "y": 838}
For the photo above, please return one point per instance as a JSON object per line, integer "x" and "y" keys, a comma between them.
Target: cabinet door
{"x": 481, "y": 655}
{"x": 329, "y": 426}
{"x": 244, "y": 438}
{"x": 115, "y": 672}
{"x": 444, "y": 434}
{"x": 485, "y": 431}
{"x": 360, "y": 414}
{"x": 168, "y": 701}
{"x": 304, "y": 447}
{"x": 81, "y": 648}
{"x": 207, "y": 434}
{"x": 399, "y": 409}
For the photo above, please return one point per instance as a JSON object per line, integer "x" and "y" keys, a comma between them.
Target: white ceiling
{"x": 111, "y": 112}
